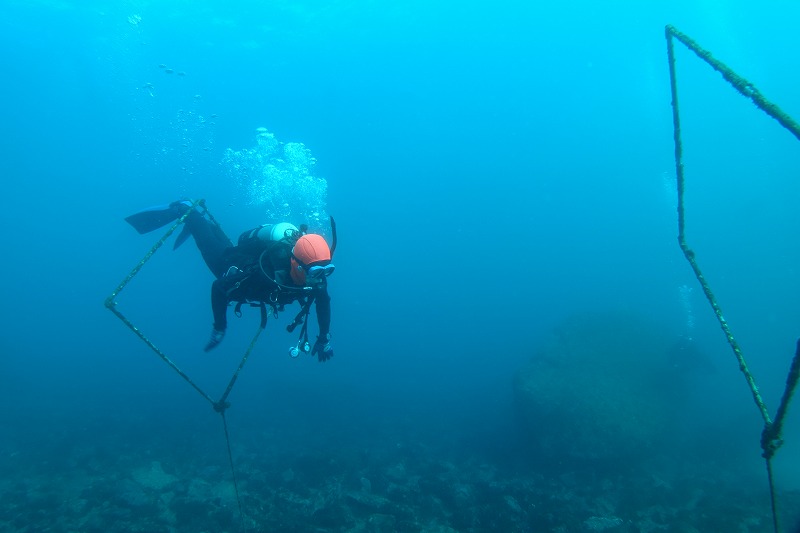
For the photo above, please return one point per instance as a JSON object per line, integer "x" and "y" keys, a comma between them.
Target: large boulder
{"x": 603, "y": 387}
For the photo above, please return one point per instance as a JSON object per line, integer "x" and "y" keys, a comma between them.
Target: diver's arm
{"x": 322, "y": 349}
{"x": 323, "y": 303}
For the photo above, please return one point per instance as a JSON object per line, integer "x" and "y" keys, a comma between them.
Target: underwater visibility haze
{"x": 519, "y": 342}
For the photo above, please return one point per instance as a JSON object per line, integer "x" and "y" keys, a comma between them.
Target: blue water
{"x": 493, "y": 168}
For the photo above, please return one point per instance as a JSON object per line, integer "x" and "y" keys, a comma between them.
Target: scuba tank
{"x": 268, "y": 234}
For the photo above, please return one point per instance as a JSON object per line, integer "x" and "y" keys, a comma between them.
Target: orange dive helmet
{"x": 311, "y": 258}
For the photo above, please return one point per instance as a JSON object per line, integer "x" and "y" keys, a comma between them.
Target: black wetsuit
{"x": 240, "y": 277}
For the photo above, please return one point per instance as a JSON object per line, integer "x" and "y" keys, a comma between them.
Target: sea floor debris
{"x": 409, "y": 487}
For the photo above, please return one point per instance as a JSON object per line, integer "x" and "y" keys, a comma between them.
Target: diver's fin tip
{"x": 153, "y": 218}
{"x": 182, "y": 236}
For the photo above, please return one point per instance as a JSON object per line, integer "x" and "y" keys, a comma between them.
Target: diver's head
{"x": 311, "y": 260}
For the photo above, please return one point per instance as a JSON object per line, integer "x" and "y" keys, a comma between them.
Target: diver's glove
{"x": 322, "y": 348}
{"x": 216, "y": 337}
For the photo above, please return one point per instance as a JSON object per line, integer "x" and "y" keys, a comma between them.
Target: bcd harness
{"x": 278, "y": 297}
{"x": 281, "y": 294}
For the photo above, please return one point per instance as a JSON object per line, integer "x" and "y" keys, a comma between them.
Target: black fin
{"x": 153, "y": 218}
{"x": 182, "y": 236}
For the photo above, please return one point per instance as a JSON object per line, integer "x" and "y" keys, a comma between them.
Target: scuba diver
{"x": 273, "y": 264}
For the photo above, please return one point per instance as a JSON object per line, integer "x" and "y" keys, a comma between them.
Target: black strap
{"x": 263, "y": 315}
{"x": 260, "y": 304}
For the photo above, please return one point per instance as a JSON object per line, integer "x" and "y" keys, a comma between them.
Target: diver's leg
{"x": 211, "y": 241}
{"x": 219, "y": 307}
{"x": 219, "y": 304}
